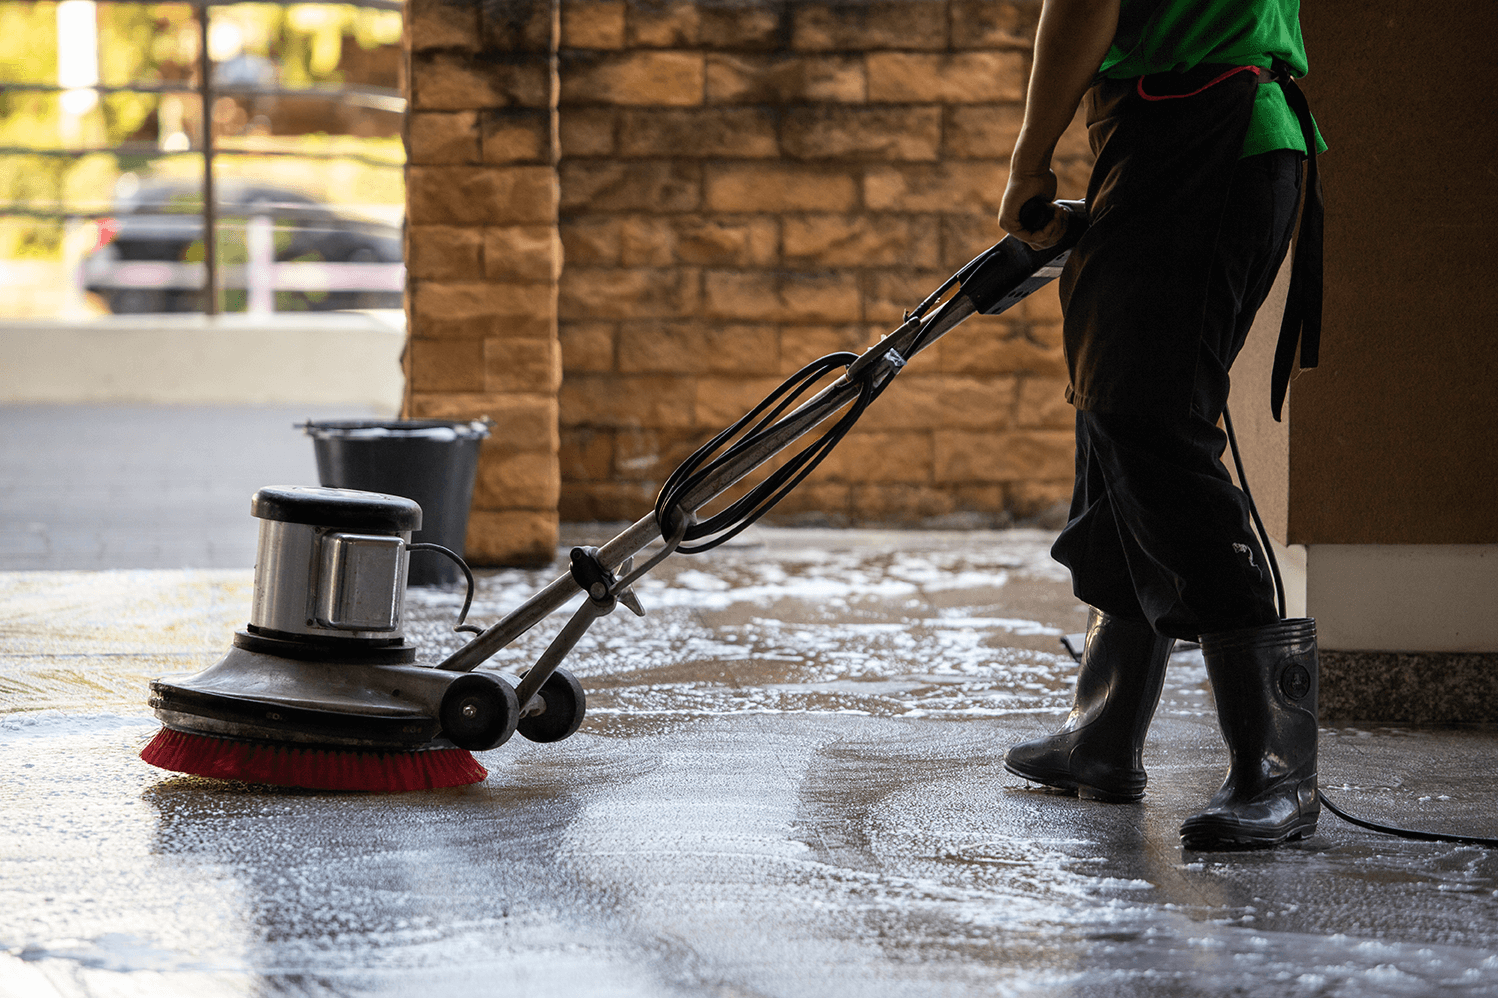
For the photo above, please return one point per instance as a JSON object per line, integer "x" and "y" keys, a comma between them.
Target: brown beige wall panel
{"x": 1392, "y": 438}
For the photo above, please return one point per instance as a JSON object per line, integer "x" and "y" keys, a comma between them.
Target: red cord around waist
{"x": 1256, "y": 70}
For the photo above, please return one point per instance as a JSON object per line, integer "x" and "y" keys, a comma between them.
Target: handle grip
{"x": 1036, "y": 213}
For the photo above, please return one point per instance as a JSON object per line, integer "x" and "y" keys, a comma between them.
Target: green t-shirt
{"x": 1161, "y": 36}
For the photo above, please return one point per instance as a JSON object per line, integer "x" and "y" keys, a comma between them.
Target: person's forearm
{"x": 1070, "y": 43}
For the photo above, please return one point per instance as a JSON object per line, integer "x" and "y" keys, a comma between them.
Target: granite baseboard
{"x": 1409, "y": 687}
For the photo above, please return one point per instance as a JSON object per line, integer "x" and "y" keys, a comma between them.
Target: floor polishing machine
{"x": 322, "y": 689}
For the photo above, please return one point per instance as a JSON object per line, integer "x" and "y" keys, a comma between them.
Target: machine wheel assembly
{"x": 565, "y": 705}
{"x": 479, "y": 712}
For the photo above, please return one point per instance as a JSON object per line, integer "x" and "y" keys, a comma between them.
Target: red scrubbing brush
{"x": 312, "y": 767}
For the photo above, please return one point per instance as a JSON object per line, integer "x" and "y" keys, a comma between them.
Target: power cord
{"x": 1279, "y": 589}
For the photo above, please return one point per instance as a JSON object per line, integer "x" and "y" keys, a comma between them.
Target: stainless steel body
{"x": 314, "y": 581}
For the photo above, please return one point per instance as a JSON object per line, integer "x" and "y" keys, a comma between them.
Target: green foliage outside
{"x": 147, "y": 43}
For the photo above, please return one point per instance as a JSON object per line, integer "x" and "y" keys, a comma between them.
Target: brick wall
{"x": 746, "y": 186}
{"x": 483, "y": 256}
{"x": 739, "y": 187}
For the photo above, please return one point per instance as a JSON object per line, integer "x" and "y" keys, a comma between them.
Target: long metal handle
{"x": 561, "y": 645}
{"x": 544, "y": 603}
{"x": 640, "y": 534}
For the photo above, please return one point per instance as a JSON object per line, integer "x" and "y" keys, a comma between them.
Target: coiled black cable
{"x": 745, "y": 434}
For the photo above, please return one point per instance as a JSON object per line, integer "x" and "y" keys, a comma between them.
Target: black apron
{"x": 1135, "y": 289}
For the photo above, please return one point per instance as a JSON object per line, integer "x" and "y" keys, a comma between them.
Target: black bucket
{"x": 433, "y": 461}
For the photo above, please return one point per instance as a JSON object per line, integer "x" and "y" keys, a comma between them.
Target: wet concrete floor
{"x": 789, "y": 784}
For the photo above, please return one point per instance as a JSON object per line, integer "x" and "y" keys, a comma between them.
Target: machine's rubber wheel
{"x": 565, "y": 706}
{"x": 479, "y": 712}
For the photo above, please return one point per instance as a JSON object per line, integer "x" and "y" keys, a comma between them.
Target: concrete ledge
{"x": 1409, "y": 687}
{"x": 331, "y": 358}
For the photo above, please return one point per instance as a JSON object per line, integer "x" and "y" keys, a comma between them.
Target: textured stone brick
{"x": 522, "y": 253}
{"x": 672, "y": 24}
{"x": 468, "y": 195}
{"x": 442, "y": 24}
{"x": 1044, "y": 306}
{"x": 587, "y": 346}
{"x": 593, "y": 24}
{"x": 769, "y": 296}
{"x": 526, "y": 480}
{"x": 739, "y": 25}
{"x": 858, "y": 241}
{"x": 920, "y": 401}
{"x": 644, "y": 78}
{"x": 591, "y": 242}
{"x": 900, "y": 504}
{"x": 729, "y": 132}
{"x": 983, "y": 348}
{"x": 651, "y": 455}
{"x": 614, "y": 185}
{"x": 783, "y": 79}
{"x": 965, "y": 236}
{"x": 961, "y": 78}
{"x": 695, "y": 347}
{"x": 990, "y": 501}
{"x": 865, "y": 456}
{"x": 515, "y": 136}
{"x": 967, "y": 184}
{"x": 586, "y": 454}
{"x": 646, "y": 241}
{"x": 442, "y": 310}
{"x": 445, "y": 252}
{"x": 889, "y": 293}
{"x": 444, "y": 138}
{"x": 721, "y": 400}
{"x": 446, "y": 365}
{"x": 1042, "y": 404}
{"x": 869, "y": 24}
{"x": 882, "y": 133}
{"x": 1043, "y": 504}
{"x": 1046, "y": 335}
{"x": 779, "y": 186}
{"x": 1021, "y": 455}
{"x": 522, "y": 365}
{"x": 982, "y": 131}
{"x": 800, "y": 345}
{"x": 1071, "y": 178}
{"x": 455, "y": 81}
{"x": 815, "y": 503}
{"x": 982, "y": 24}
{"x": 606, "y": 501}
{"x": 639, "y": 293}
{"x": 521, "y": 422}
{"x": 587, "y": 131}
{"x": 718, "y": 242}
{"x": 518, "y": 26}
{"x": 639, "y": 401}
{"x": 521, "y": 538}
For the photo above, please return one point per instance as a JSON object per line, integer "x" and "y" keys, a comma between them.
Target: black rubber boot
{"x": 1099, "y": 752}
{"x": 1265, "y": 681}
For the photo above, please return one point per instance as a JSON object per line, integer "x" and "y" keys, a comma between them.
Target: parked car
{"x": 308, "y": 256}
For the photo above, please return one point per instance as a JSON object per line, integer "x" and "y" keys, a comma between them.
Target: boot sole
{"x": 1071, "y": 787}
{"x": 1213, "y": 836}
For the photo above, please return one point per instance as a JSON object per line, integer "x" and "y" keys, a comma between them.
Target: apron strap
{"x": 1302, "y": 320}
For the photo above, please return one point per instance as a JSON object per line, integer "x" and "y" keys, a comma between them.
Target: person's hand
{"x": 1022, "y": 187}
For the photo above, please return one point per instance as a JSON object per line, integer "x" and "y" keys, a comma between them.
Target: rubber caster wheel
{"x": 479, "y": 712}
{"x": 565, "y": 705}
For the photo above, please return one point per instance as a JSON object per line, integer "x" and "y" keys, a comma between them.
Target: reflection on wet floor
{"x": 789, "y": 783}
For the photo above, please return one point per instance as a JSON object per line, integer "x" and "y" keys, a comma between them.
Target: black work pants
{"x": 1157, "y": 530}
